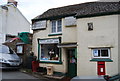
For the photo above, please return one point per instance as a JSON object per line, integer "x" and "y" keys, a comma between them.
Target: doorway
{"x": 72, "y": 62}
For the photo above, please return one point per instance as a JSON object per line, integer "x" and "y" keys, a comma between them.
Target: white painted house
{"x": 13, "y": 21}
{"x": 83, "y": 38}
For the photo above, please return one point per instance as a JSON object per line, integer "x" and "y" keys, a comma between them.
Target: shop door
{"x": 72, "y": 62}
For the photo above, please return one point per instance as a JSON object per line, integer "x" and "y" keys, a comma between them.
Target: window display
{"x": 49, "y": 52}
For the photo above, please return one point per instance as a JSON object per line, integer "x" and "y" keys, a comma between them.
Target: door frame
{"x": 71, "y": 64}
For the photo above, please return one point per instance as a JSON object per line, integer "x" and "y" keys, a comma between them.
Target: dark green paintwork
{"x": 72, "y": 67}
{"x": 102, "y": 59}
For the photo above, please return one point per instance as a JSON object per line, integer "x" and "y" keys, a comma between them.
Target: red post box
{"x": 101, "y": 68}
{"x": 35, "y": 65}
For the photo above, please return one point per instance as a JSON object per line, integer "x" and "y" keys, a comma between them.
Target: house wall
{"x": 105, "y": 33}
{"x": 2, "y": 24}
{"x": 119, "y": 43}
{"x": 12, "y": 21}
{"x": 68, "y": 35}
{"x": 16, "y": 22}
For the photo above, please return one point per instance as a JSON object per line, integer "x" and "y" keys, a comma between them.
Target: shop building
{"x": 79, "y": 40}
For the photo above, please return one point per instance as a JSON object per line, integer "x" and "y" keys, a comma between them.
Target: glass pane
{"x": 96, "y": 53}
{"x": 104, "y": 53}
{"x": 59, "y": 26}
{"x": 6, "y": 50}
{"x": 49, "y": 52}
{"x": 19, "y": 49}
{"x": 53, "y": 26}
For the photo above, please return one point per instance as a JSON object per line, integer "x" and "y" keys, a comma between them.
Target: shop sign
{"x": 48, "y": 41}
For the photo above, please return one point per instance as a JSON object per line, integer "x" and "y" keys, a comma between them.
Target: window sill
{"x": 102, "y": 59}
{"x": 50, "y": 62}
{"x": 54, "y": 34}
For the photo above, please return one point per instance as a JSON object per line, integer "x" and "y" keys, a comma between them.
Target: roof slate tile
{"x": 79, "y": 10}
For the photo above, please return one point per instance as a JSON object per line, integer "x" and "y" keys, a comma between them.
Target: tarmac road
{"x": 14, "y": 75}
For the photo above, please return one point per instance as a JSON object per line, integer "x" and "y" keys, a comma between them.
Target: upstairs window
{"x": 101, "y": 53}
{"x": 39, "y": 25}
{"x": 56, "y": 26}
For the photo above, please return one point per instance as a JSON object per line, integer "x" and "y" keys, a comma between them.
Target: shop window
{"x": 49, "y": 52}
{"x": 101, "y": 53}
{"x": 56, "y": 26}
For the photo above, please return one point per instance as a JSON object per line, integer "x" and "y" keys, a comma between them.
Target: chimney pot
{"x": 13, "y": 1}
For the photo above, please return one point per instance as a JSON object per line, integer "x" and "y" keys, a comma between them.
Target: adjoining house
{"x": 12, "y": 21}
{"x": 12, "y": 25}
{"x": 79, "y": 40}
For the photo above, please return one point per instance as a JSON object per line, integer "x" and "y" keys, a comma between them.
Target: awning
{"x": 67, "y": 45}
{"x": 24, "y": 37}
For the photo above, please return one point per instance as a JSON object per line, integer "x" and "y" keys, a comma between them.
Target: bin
{"x": 49, "y": 70}
{"x": 35, "y": 65}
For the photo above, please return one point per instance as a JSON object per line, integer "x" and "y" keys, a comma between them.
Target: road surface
{"x": 13, "y": 75}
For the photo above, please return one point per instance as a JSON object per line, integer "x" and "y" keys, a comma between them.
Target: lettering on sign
{"x": 48, "y": 41}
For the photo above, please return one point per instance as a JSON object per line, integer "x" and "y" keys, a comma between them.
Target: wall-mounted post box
{"x": 101, "y": 68}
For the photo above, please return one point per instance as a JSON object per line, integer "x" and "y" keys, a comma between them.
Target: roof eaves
{"x": 54, "y": 17}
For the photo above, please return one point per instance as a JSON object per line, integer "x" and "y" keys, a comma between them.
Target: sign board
{"x": 49, "y": 41}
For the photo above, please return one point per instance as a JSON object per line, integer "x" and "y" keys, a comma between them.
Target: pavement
{"x": 23, "y": 75}
{"x": 54, "y": 77}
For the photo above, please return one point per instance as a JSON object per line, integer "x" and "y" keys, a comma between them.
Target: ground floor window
{"x": 101, "y": 53}
{"x": 48, "y": 50}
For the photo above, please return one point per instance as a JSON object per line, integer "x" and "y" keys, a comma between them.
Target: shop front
{"x": 61, "y": 56}
{"x": 48, "y": 50}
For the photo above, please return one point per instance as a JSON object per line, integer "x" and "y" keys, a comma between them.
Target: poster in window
{"x": 19, "y": 49}
{"x": 95, "y": 52}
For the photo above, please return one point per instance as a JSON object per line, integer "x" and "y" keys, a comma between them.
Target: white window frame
{"x": 109, "y": 52}
{"x": 56, "y": 26}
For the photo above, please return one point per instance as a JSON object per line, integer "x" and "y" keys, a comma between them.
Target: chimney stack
{"x": 13, "y": 1}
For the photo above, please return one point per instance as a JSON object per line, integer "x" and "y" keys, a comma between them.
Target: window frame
{"x": 22, "y": 48}
{"x": 56, "y": 26}
{"x": 109, "y": 52}
{"x": 48, "y": 61}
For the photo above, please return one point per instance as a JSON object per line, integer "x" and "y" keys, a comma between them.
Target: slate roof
{"x": 81, "y": 10}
